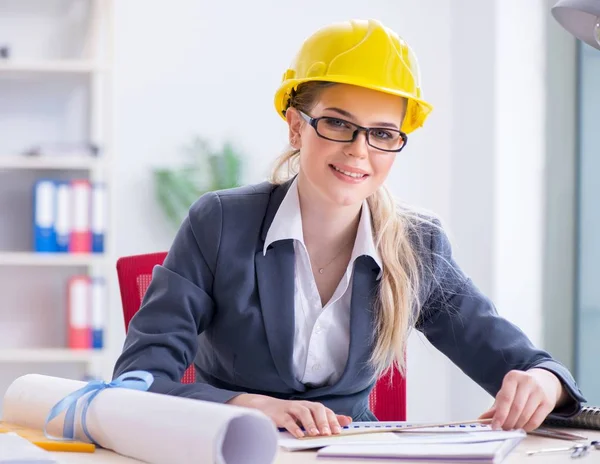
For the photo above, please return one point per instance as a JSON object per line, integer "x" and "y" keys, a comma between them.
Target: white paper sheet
{"x": 147, "y": 426}
{"x": 17, "y": 450}
{"x": 487, "y": 452}
{"x": 288, "y": 442}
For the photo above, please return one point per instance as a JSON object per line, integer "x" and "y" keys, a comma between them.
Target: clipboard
{"x": 38, "y": 438}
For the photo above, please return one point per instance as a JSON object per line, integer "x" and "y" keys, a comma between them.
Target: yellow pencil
{"x": 38, "y": 438}
{"x": 74, "y": 447}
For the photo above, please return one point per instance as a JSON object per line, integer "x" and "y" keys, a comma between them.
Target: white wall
{"x": 519, "y": 162}
{"x": 560, "y": 193}
{"x": 211, "y": 68}
{"x": 588, "y": 323}
{"x": 472, "y": 188}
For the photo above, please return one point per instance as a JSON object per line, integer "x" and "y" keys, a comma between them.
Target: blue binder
{"x": 98, "y": 306}
{"x": 44, "y": 216}
{"x": 62, "y": 224}
{"x": 98, "y": 221}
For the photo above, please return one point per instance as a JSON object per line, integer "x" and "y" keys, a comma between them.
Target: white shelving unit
{"x": 54, "y": 87}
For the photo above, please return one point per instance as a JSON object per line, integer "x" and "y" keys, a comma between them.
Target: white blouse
{"x": 322, "y": 333}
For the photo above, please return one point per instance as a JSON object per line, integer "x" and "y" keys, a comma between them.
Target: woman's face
{"x": 345, "y": 173}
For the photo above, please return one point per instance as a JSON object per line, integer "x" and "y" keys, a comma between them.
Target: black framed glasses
{"x": 340, "y": 130}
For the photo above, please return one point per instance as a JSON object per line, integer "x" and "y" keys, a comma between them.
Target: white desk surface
{"x": 516, "y": 457}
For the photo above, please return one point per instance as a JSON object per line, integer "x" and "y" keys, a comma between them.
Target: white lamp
{"x": 581, "y": 18}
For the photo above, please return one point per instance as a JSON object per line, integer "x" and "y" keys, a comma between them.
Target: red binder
{"x": 79, "y": 298}
{"x": 81, "y": 235}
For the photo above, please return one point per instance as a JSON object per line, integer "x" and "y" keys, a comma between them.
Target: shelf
{"x": 53, "y": 67}
{"x": 11, "y": 258}
{"x": 48, "y": 355}
{"x": 49, "y": 162}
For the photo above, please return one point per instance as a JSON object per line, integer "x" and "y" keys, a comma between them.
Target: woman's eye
{"x": 337, "y": 123}
{"x": 382, "y": 134}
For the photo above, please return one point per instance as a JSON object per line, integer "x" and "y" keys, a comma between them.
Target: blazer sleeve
{"x": 163, "y": 335}
{"x": 461, "y": 322}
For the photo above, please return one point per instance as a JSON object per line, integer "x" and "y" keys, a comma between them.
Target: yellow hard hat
{"x": 363, "y": 53}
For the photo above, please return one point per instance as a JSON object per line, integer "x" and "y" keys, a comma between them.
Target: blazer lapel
{"x": 275, "y": 273}
{"x": 362, "y": 323}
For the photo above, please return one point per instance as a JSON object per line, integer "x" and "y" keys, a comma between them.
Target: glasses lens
{"x": 336, "y": 129}
{"x": 386, "y": 139}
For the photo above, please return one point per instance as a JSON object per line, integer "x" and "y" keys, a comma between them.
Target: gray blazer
{"x": 221, "y": 304}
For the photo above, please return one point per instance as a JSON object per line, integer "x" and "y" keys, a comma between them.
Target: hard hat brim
{"x": 420, "y": 108}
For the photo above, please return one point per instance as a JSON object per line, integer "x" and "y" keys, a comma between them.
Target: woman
{"x": 293, "y": 296}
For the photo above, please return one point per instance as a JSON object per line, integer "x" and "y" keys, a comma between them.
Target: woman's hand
{"x": 525, "y": 400}
{"x": 313, "y": 417}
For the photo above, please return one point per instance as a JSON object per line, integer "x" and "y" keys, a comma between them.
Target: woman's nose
{"x": 359, "y": 148}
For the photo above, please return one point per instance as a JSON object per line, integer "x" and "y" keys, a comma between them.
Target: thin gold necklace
{"x": 322, "y": 268}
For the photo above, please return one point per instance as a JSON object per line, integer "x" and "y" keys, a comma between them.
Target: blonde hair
{"x": 397, "y": 303}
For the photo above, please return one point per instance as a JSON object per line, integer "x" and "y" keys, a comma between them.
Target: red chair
{"x": 388, "y": 403}
{"x": 135, "y": 274}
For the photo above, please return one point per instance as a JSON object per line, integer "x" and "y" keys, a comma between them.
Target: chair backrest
{"x": 387, "y": 399}
{"x": 134, "y": 274}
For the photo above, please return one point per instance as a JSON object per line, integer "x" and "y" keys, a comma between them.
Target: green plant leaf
{"x": 206, "y": 170}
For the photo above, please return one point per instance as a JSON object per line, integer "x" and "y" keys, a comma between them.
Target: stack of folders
{"x": 86, "y": 300}
{"x": 69, "y": 216}
{"x": 475, "y": 444}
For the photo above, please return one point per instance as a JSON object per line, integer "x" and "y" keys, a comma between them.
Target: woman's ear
{"x": 294, "y": 125}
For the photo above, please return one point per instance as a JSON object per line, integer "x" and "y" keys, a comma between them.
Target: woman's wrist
{"x": 247, "y": 400}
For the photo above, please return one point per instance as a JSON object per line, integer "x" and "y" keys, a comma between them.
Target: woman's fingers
{"x": 517, "y": 407}
{"x": 504, "y": 401}
{"x": 290, "y": 424}
{"x": 316, "y": 419}
{"x": 320, "y": 416}
{"x": 344, "y": 420}
{"x": 304, "y": 415}
{"x": 535, "y": 400}
{"x": 302, "y": 418}
{"x": 334, "y": 424}
{"x": 538, "y": 417}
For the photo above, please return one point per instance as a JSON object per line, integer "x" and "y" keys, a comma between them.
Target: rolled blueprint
{"x": 151, "y": 427}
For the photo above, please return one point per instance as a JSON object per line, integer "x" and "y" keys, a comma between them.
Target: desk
{"x": 516, "y": 457}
